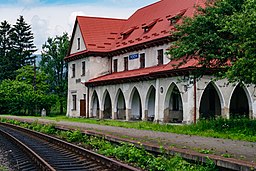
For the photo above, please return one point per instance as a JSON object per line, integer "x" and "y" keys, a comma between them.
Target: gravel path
{"x": 5, "y": 156}
{"x": 237, "y": 149}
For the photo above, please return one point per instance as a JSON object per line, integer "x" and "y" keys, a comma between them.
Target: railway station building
{"x": 119, "y": 69}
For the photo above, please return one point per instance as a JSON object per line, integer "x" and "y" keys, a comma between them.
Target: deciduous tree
{"x": 53, "y": 64}
{"x": 221, "y": 33}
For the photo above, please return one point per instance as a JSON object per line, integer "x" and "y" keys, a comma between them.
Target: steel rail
{"x": 41, "y": 163}
{"x": 110, "y": 163}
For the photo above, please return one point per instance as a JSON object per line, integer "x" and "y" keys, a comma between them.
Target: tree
{"x": 23, "y": 46}
{"x": 5, "y": 51}
{"x": 20, "y": 97}
{"x": 53, "y": 64}
{"x": 243, "y": 25}
{"x": 27, "y": 74}
{"x": 220, "y": 34}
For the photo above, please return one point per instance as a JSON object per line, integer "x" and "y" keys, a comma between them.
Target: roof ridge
{"x": 103, "y": 18}
{"x": 142, "y": 8}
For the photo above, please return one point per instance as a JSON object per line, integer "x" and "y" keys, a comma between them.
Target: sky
{"x": 49, "y": 18}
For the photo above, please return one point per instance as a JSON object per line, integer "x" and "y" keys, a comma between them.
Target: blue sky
{"x": 120, "y": 3}
{"x": 49, "y": 18}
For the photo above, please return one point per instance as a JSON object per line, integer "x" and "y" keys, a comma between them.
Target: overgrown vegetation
{"x": 125, "y": 152}
{"x": 220, "y": 34}
{"x": 26, "y": 88}
{"x": 3, "y": 168}
{"x": 235, "y": 129}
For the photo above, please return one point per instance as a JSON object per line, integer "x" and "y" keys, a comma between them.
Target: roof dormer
{"x": 175, "y": 18}
{"x": 127, "y": 32}
{"x": 148, "y": 26}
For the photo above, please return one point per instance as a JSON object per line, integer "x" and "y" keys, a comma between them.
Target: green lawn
{"x": 236, "y": 129}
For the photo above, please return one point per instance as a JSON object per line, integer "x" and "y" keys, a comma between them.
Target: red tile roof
{"x": 106, "y": 34}
{"x": 99, "y": 34}
{"x": 145, "y": 72}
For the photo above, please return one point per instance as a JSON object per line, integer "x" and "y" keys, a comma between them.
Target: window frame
{"x": 74, "y": 104}
{"x": 115, "y": 63}
{"x": 73, "y": 71}
{"x": 83, "y": 68}
{"x": 160, "y": 57}
{"x": 126, "y": 65}
{"x": 142, "y": 60}
{"x": 78, "y": 43}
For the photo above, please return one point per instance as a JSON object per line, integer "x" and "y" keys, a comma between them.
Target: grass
{"x": 128, "y": 153}
{"x": 235, "y": 129}
{"x": 3, "y": 168}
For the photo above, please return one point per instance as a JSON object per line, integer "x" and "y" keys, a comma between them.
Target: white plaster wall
{"x": 151, "y": 104}
{"x": 187, "y": 95}
{"x": 127, "y": 89}
{"x": 94, "y": 67}
{"x": 135, "y": 106}
{"x": 74, "y": 46}
{"x": 150, "y": 58}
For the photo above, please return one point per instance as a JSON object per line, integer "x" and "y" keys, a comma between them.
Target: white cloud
{"x": 40, "y": 29}
{"x": 49, "y": 21}
{"x": 72, "y": 17}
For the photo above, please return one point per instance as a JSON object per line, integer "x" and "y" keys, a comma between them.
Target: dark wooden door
{"x": 82, "y": 107}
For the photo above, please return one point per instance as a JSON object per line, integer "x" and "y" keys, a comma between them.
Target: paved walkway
{"x": 237, "y": 149}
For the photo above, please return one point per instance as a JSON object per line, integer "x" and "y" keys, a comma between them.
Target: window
{"x": 83, "y": 68}
{"x": 78, "y": 43}
{"x": 125, "y": 63}
{"x": 142, "y": 60}
{"x": 160, "y": 57}
{"x": 115, "y": 65}
{"x": 74, "y": 102}
{"x": 73, "y": 70}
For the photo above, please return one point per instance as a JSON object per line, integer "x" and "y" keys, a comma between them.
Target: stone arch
{"x": 120, "y": 106}
{"x": 240, "y": 102}
{"x": 211, "y": 102}
{"x": 150, "y": 103}
{"x": 95, "y": 107}
{"x": 135, "y": 105}
{"x": 107, "y": 105}
{"x": 173, "y": 105}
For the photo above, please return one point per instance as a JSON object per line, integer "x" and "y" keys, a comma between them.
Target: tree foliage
{"x": 5, "y": 51}
{"x": 23, "y": 45}
{"x": 19, "y": 96}
{"x": 223, "y": 32}
{"x": 53, "y": 64}
{"x": 16, "y": 47}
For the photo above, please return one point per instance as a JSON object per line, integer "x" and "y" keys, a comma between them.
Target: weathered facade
{"x": 118, "y": 69}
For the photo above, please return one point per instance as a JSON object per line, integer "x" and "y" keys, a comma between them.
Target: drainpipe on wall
{"x": 88, "y": 110}
{"x": 194, "y": 100}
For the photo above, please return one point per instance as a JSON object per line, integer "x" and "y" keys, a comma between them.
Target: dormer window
{"x": 149, "y": 25}
{"x": 126, "y": 33}
{"x": 175, "y": 18}
{"x": 78, "y": 43}
{"x": 146, "y": 29}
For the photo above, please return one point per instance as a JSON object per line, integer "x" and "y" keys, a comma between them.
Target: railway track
{"x": 49, "y": 153}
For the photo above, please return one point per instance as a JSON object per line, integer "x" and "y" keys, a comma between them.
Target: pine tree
{"x": 23, "y": 46}
{"x": 5, "y": 51}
